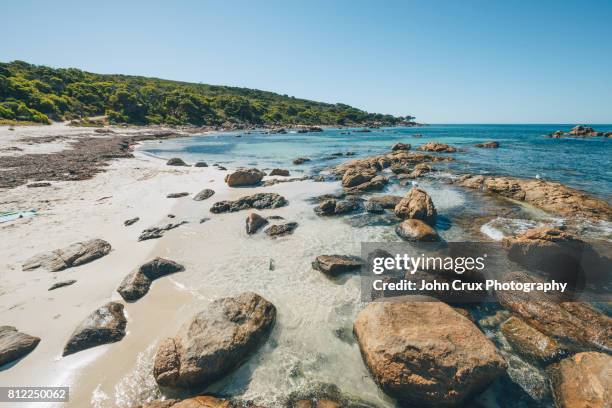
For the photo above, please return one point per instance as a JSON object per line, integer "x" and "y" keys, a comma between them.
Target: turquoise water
{"x": 524, "y": 151}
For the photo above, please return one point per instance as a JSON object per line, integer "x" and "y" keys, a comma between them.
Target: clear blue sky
{"x": 453, "y": 61}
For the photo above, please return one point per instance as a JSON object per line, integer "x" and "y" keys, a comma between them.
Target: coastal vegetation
{"x": 40, "y": 94}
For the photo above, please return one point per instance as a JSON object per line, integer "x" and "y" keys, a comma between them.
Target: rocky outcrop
{"x": 355, "y": 177}
{"x": 575, "y": 326}
{"x": 416, "y": 231}
{"x": 258, "y": 201}
{"x": 73, "y": 255}
{"x": 437, "y": 147}
{"x": 583, "y": 380}
{"x": 254, "y": 222}
{"x": 529, "y": 342}
{"x": 62, "y": 284}
{"x": 244, "y": 177}
{"x": 279, "y": 230}
{"x": 178, "y": 195}
{"x": 335, "y": 207}
{"x": 214, "y": 342}
{"x": 376, "y": 183}
{"x": 419, "y": 170}
{"x": 131, "y": 221}
{"x": 488, "y": 145}
{"x": 400, "y": 146}
{"x": 204, "y": 194}
{"x": 175, "y": 161}
{"x": 418, "y": 205}
{"x": 280, "y": 172}
{"x": 104, "y": 325}
{"x": 15, "y": 344}
{"x": 548, "y": 196}
{"x": 425, "y": 353}
{"x": 137, "y": 284}
{"x": 158, "y": 232}
{"x": 301, "y": 160}
{"x": 579, "y": 131}
{"x": 334, "y": 265}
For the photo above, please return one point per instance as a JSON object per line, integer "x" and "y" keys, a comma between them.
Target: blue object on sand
{"x": 15, "y": 215}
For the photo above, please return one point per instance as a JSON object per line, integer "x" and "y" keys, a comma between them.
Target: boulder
{"x": 175, "y": 161}
{"x": 424, "y": 353}
{"x": 177, "y": 195}
{"x": 335, "y": 207}
{"x": 204, "y": 194}
{"x": 201, "y": 164}
{"x": 62, "y": 284}
{"x": 278, "y": 230}
{"x": 73, "y": 255}
{"x": 387, "y": 201}
{"x": 373, "y": 207}
{"x": 355, "y": 177}
{"x": 334, "y": 265}
{"x": 416, "y": 230}
{"x": 15, "y": 344}
{"x": 583, "y": 380}
{"x": 529, "y": 342}
{"x": 437, "y": 147}
{"x": 136, "y": 284}
{"x": 244, "y": 177}
{"x": 400, "y": 146}
{"x": 258, "y": 201}
{"x": 131, "y": 221}
{"x": 254, "y": 222}
{"x": 575, "y": 326}
{"x": 488, "y": 145}
{"x": 214, "y": 342}
{"x": 104, "y": 325}
{"x": 280, "y": 172}
{"x": 417, "y": 204}
{"x": 581, "y": 130}
{"x": 419, "y": 170}
{"x": 301, "y": 160}
{"x": 376, "y": 183}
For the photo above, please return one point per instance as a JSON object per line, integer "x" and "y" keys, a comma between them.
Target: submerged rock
{"x": 583, "y": 380}
{"x": 281, "y": 229}
{"x": 488, "y": 145}
{"x": 15, "y": 344}
{"x": 104, "y": 325}
{"x": 175, "y": 161}
{"x": 437, "y": 147}
{"x": 416, "y": 230}
{"x": 131, "y": 221}
{"x": 334, "y": 265}
{"x": 301, "y": 160}
{"x": 214, "y": 342}
{"x": 254, "y": 222}
{"x": 419, "y": 170}
{"x": 529, "y": 342}
{"x": 424, "y": 353}
{"x": 62, "y": 284}
{"x": 417, "y": 204}
{"x": 373, "y": 207}
{"x": 258, "y": 201}
{"x": 244, "y": 177}
{"x": 279, "y": 172}
{"x": 386, "y": 201}
{"x": 73, "y": 255}
{"x": 204, "y": 194}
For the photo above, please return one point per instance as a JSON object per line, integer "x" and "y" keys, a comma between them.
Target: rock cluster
{"x": 437, "y": 147}
{"x": 73, "y": 255}
{"x": 258, "y": 201}
{"x": 335, "y": 207}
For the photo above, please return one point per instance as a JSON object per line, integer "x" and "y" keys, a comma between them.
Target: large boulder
{"x": 254, "y": 222}
{"x": 214, "y": 342}
{"x": 258, "y": 201}
{"x": 15, "y": 344}
{"x": 417, "y": 204}
{"x": 583, "y": 380}
{"x": 437, "y": 147}
{"x": 73, "y": 255}
{"x": 244, "y": 177}
{"x": 334, "y": 265}
{"x": 104, "y": 325}
{"x": 136, "y": 284}
{"x": 424, "y": 353}
{"x": 204, "y": 194}
{"x": 530, "y": 342}
{"x": 416, "y": 231}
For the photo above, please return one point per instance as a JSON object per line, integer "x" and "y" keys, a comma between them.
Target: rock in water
{"x": 301, "y": 160}
{"x": 583, "y": 380}
{"x": 416, "y": 231}
{"x": 281, "y": 229}
{"x": 175, "y": 161}
{"x": 529, "y": 342}
{"x": 105, "y": 325}
{"x": 254, "y": 222}
{"x": 214, "y": 342}
{"x": 204, "y": 194}
{"x": 201, "y": 164}
{"x": 258, "y": 201}
{"x": 400, "y": 146}
{"x": 280, "y": 172}
{"x": 488, "y": 145}
{"x": 244, "y": 177}
{"x": 425, "y": 353}
{"x": 417, "y": 204}
{"x": 73, "y": 255}
{"x": 14, "y": 344}
{"x": 131, "y": 221}
{"x": 386, "y": 201}
{"x": 334, "y": 265}
{"x": 62, "y": 284}
{"x": 335, "y": 207}
{"x": 373, "y": 207}
{"x": 437, "y": 147}
{"x": 137, "y": 284}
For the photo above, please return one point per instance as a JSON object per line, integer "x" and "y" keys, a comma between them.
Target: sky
{"x": 442, "y": 61}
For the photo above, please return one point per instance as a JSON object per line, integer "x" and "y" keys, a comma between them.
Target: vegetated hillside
{"x": 38, "y": 93}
